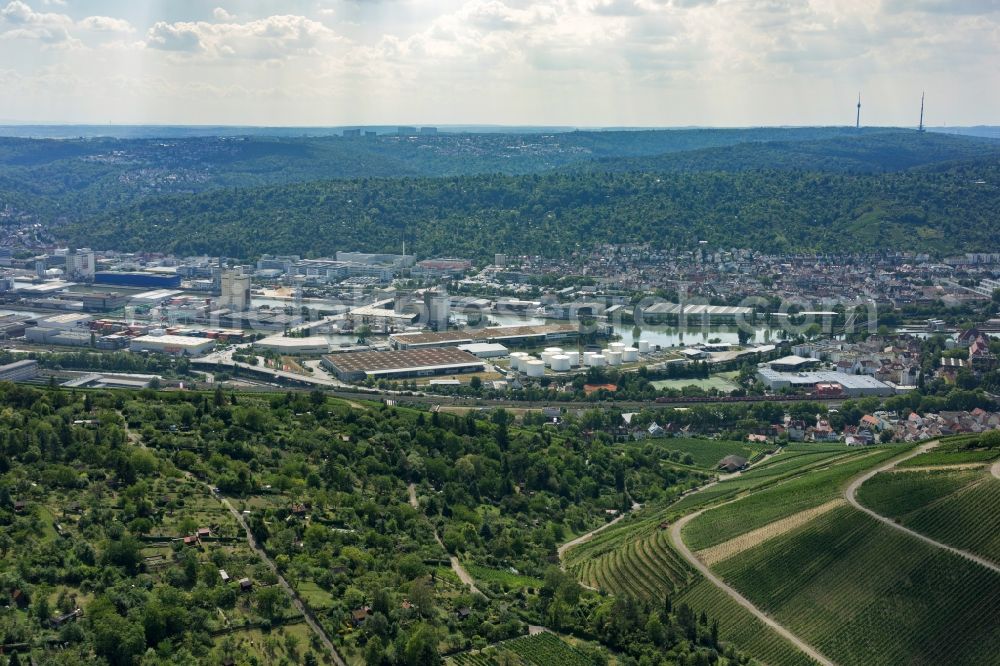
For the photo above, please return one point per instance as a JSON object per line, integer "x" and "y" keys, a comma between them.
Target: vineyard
{"x": 958, "y": 507}
{"x": 738, "y": 626}
{"x": 959, "y": 450}
{"x": 781, "y": 500}
{"x": 645, "y": 568}
{"x": 542, "y": 649}
{"x": 863, "y": 593}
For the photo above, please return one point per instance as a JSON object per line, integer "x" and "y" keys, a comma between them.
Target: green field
{"x": 708, "y": 452}
{"x": 505, "y": 579}
{"x": 717, "y": 382}
{"x": 963, "y": 449}
{"x": 780, "y": 500}
{"x": 863, "y": 593}
{"x": 544, "y": 649}
{"x": 958, "y": 507}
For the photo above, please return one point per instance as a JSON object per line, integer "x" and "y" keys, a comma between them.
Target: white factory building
{"x": 853, "y": 385}
{"x": 179, "y": 345}
{"x": 313, "y": 344}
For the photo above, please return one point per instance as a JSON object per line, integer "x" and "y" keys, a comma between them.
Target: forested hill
{"x": 849, "y": 153}
{"x": 52, "y": 179}
{"x": 939, "y": 210}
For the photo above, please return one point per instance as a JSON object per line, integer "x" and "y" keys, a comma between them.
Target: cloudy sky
{"x": 554, "y": 62}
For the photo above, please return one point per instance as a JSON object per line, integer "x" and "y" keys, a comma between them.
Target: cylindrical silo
{"x": 616, "y": 346}
{"x": 560, "y": 363}
{"x": 643, "y": 346}
{"x": 517, "y": 360}
{"x": 630, "y": 354}
{"x": 534, "y": 367}
{"x": 574, "y": 357}
{"x": 614, "y": 357}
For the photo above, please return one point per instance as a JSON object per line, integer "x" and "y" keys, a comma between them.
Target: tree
{"x": 421, "y": 647}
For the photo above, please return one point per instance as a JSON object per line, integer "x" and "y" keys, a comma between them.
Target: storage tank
{"x": 597, "y": 360}
{"x": 574, "y": 357}
{"x": 517, "y": 360}
{"x": 630, "y": 354}
{"x": 616, "y": 346}
{"x": 547, "y": 357}
{"x": 534, "y": 367}
{"x": 560, "y": 363}
{"x": 614, "y": 357}
{"x": 643, "y": 346}
{"x": 554, "y": 350}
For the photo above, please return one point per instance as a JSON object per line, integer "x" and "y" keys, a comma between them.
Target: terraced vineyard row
{"x": 542, "y": 649}
{"x": 960, "y": 508}
{"x": 863, "y": 593}
{"x": 738, "y": 626}
{"x": 955, "y": 451}
{"x": 781, "y": 500}
{"x": 895, "y": 494}
{"x": 645, "y": 568}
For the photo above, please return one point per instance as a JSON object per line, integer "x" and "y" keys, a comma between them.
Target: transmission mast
{"x": 920, "y": 128}
{"x": 857, "y": 120}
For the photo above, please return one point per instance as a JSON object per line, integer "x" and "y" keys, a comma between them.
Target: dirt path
{"x": 851, "y": 496}
{"x": 296, "y": 600}
{"x": 584, "y": 538}
{"x": 456, "y": 565}
{"x": 459, "y": 570}
{"x": 995, "y": 469}
{"x": 678, "y": 543}
{"x": 933, "y": 468}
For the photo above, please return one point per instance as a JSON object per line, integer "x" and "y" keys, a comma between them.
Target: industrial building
{"x": 485, "y": 349}
{"x": 357, "y": 366}
{"x": 851, "y": 385}
{"x": 235, "y": 293}
{"x": 19, "y": 371}
{"x": 313, "y": 344}
{"x": 673, "y": 312}
{"x": 793, "y": 363}
{"x": 179, "y": 345}
{"x": 138, "y": 279}
{"x": 68, "y": 321}
{"x": 509, "y": 335}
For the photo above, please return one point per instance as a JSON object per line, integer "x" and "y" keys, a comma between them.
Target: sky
{"x": 584, "y": 63}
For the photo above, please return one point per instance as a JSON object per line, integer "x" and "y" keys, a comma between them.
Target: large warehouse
{"x": 852, "y": 385}
{"x": 180, "y": 345}
{"x": 357, "y": 366}
{"x": 510, "y": 335}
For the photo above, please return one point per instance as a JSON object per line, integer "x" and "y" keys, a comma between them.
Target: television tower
{"x": 857, "y": 120}
{"x": 920, "y": 128}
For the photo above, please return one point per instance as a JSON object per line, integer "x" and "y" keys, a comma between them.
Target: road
{"x": 678, "y": 543}
{"x": 296, "y": 600}
{"x": 850, "y": 494}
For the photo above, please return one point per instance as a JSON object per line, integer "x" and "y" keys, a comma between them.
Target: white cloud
{"x": 105, "y": 24}
{"x": 27, "y": 24}
{"x": 273, "y": 37}
{"x": 222, "y": 15}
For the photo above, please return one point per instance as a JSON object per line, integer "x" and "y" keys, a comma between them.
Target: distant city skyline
{"x": 580, "y": 63}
